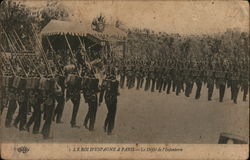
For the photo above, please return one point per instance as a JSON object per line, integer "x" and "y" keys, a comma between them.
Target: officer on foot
{"x": 109, "y": 90}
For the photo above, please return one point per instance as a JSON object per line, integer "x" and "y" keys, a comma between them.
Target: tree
{"x": 53, "y": 10}
{"x": 15, "y": 18}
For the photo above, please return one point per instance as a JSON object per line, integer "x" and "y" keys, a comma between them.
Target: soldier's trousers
{"x": 59, "y": 108}
{"x": 35, "y": 118}
{"x": 130, "y": 82}
{"x": 234, "y": 90}
{"x": 49, "y": 109}
{"x": 245, "y": 92}
{"x": 153, "y": 85}
{"x": 198, "y": 90}
{"x": 138, "y": 80}
{"x": 22, "y": 115}
{"x": 174, "y": 85}
{"x": 147, "y": 85}
{"x": 222, "y": 89}
{"x": 76, "y": 103}
{"x": 122, "y": 80}
{"x": 11, "y": 110}
{"x": 164, "y": 84}
{"x": 160, "y": 84}
{"x": 141, "y": 84}
{"x": 169, "y": 82}
{"x": 188, "y": 88}
{"x": 2, "y": 99}
{"x": 178, "y": 87}
{"x": 210, "y": 87}
{"x": 110, "y": 118}
{"x": 91, "y": 115}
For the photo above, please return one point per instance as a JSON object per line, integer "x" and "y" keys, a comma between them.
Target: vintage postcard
{"x": 102, "y": 79}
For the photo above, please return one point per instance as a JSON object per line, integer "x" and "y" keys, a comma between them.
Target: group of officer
{"x": 47, "y": 90}
{"x": 181, "y": 74}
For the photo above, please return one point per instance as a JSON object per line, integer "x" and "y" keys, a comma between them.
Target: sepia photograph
{"x": 122, "y": 76}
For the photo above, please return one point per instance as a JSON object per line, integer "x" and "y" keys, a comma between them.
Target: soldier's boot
{"x": 209, "y": 95}
{"x": 138, "y": 84}
{"x": 169, "y": 87}
{"x": 236, "y": 95}
{"x": 153, "y": 86}
{"x": 222, "y": 92}
{"x": 245, "y": 91}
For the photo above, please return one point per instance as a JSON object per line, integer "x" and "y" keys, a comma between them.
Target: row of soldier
{"x": 46, "y": 93}
{"x": 182, "y": 74}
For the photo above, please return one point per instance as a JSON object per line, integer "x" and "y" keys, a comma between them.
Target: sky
{"x": 184, "y": 17}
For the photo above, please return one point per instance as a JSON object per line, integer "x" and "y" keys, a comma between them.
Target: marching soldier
{"x": 60, "y": 99}
{"x": 147, "y": 73}
{"x": 12, "y": 105}
{"x": 73, "y": 92}
{"x": 188, "y": 80}
{"x": 109, "y": 90}
{"x": 153, "y": 77}
{"x": 244, "y": 82}
{"x": 36, "y": 99}
{"x": 235, "y": 85}
{"x": 160, "y": 79}
{"x": 49, "y": 106}
{"x": 210, "y": 83}
{"x": 178, "y": 80}
{"x": 90, "y": 91}
{"x": 221, "y": 82}
{"x": 122, "y": 75}
{"x": 23, "y": 102}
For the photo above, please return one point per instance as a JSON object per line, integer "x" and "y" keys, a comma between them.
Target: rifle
{"x": 12, "y": 69}
{"x": 42, "y": 51}
{"x": 72, "y": 55}
{"x": 58, "y": 65}
{"x": 20, "y": 40}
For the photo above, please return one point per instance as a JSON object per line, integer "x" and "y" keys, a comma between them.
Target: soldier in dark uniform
{"x": 49, "y": 106}
{"x": 90, "y": 91}
{"x": 11, "y": 106}
{"x": 139, "y": 77}
{"x": 109, "y": 90}
{"x": 178, "y": 80}
{"x": 164, "y": 79}
{"x": 60, "y": 99}
{"x": 160, "y": 79}
{"x": 221, "y": 82}
{"x": 36, "y": 99}
{"x": 169, "y": 79}
{"x": 244, "y": 82}
{"x": 122, "y": 75}
{"x": 73, "y": 93}
{"x": 197, "y": 78}
{"x": 147, "y": 73}
{"x": 235, "y": 84}
{"x": 23, "y": 108}
{"x": 153, "y": 77}
{"x": 188, "y": 80}
{"x": 210, "y": 83}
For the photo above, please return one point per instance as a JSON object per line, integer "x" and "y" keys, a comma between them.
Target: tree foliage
{"x": 15, "y": 17}
{"x": 53, "y": 10}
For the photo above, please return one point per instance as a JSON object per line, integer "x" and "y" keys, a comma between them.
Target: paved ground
{"x": 145, "y": 117}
